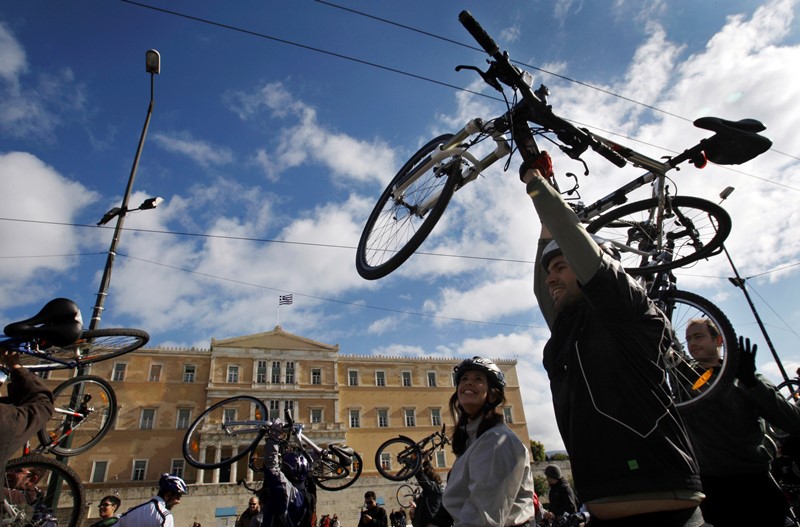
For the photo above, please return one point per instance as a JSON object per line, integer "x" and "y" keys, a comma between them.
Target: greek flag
{"x": 285, "y": 300}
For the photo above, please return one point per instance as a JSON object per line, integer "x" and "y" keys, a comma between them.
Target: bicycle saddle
{"x": 58, "y": 323}
{"x": 733, "y": 142}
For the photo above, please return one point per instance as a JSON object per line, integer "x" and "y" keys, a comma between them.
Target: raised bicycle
{"x": 400, "y": 458}
{"x": 407, "y": 495}
{"x": 242, "y": 421}
{"x": 663, "y": 232}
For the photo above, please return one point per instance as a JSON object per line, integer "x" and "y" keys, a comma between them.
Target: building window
{"x": 432, "y": 379}
{"x": 290, "y": 373}
{"x": 441, "y": 462}
{"x": 148, "y": 418}
{"x": 436, "y": 417}
{"x": 177, "y": 467}
{"x": 274, "y": 410}
{"x": 507, "y": 415}
{"x": 99, "y": 471}
{"x": 380, "y": 378}
{"x": 355, "y": 419}
{"x": 352, "y": 378}
{"x": 316, "y": 376}
{"x": 189, "y": 371}
{"x": 276, "y": 372}
{"x": 406, "y": 378}
{"x": 383, "y": 418}
{"x": 288, "y": 406}
{"x": 316, "y": 415}
{"x": 155, "y": 373}
{"x": 119, "y": 372}
{"x": 261, "y": 372}
{"x": 139, "y": 469}
{"x": 228, "y": 415}
{"x": 233, "y": 374}
{"x": 410, "y": 419}
{"x": 184, "y": 418}
{"x": 386, "y": 460}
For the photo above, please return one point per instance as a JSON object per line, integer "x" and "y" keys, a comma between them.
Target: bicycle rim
{"x": 789, "y": 390}
{"x": 696, "y": 226}
{"x": 398, "y": 459}
{"x": 690, "y": 384}
{"x": 207, "y": 444}
{"x": 330, "y": 474}
{"x": 54, "y": 497}
{"x": 94, "y": 399}
{"x": 405, "y": 496}
{"x": 94, "y": 345}
{"x": 393, "y": 231}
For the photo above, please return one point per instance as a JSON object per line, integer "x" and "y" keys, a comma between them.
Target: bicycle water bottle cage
{"x": 345, "y": 454}
{"x": 58, "y": 323}
{"x": 734, "y": 142}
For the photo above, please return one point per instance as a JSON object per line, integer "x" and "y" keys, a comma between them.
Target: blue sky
{"x": 263, "y": 130}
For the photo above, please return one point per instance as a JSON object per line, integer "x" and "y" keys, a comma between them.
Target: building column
{"x": 235, "y": 464}
{"x": 200, "y": 472}
{"x": 217, "y": 459}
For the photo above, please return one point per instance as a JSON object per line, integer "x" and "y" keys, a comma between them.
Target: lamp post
{"x": 153, "y": 67}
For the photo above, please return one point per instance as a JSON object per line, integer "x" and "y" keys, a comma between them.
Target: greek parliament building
{"x": 360, "y": 400}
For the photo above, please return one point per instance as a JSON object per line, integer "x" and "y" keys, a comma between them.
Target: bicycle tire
{"x": 789, "y": 390}
{"x": 94, "y": 345}
{"x": 207, "y": 430}
{"x": 37, "y": 508}
{"x": 689, "y": 384}
{"x": 405, "y": 495}
{"x": 334, "y": 476}
{"x": 92, "y": 428}
{"x": 393, "y": 232}
{"x": 404, "y": 459}
{"x": 629, "y": 225}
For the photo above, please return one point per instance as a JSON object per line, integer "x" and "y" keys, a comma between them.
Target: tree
{"x": 541, "y": 486}
{"x": 560, "y": 456}
{"x": 537, "y": 451}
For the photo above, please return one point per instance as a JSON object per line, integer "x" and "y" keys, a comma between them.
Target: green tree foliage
{"x": 537, "y": 451}
{"x": 541, "y": 486}
{"x": 561, "y": 456}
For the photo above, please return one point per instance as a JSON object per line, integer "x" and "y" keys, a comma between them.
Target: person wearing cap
{"x": 157, "y": 511}
{"x": 490, "y": 483}
{"x": 632, "y": 461}
{"x": 560, "y": 495}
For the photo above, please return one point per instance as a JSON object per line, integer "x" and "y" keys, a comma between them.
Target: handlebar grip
{"x": 478, "y": 33}
{"x": 606, "y": 151}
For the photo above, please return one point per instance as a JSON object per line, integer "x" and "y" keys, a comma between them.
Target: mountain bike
{"x": 406, "y": 495}
{"x": 242, "y": 421}
{"x": 39, "y": 491}
{"x": 789, "y": 390}
{"x": 400, "y": 458}
{"x": 660, "y": 233}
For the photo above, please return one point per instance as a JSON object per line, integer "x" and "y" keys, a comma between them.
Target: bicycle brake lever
{"x": 491, "y": 80}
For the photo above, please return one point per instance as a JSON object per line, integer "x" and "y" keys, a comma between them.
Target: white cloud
{"x": 13, "y": 61}
{"x": 201, "y": 152}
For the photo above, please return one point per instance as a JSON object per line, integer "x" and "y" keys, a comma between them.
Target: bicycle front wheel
{"x": 405, "y": 495}
{"x": 234, "y": 425}
{"x": 86, "y": 409}
{"x": 40, "y": 491}
{"x": 689, "y": 383}
{"x": 330, "y": 474}
{"x": 94, "y": 345}
{"x": 692, "y": 229}
{"x": 789, "y": 390}
{"x": 398, "y": 224}
{"x": 398, "y": 459}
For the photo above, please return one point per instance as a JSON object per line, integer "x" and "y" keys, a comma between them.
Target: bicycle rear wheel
{"x": 693, "y": 229}
{"x": 690, "y": 384}
{"x": 40, "y": 491}
{"x": 398, "y": 459}
{"x": 405, "y": 495}
{"x": 790, "y": 390}
{"x": 330, "y": 474}
{"x": 235, "y": 423}
{"x": 94, "y": 400}
{"x": 94, "y": 345}
{"x": 395, "y": 228}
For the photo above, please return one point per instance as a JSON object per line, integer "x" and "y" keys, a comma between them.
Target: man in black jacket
{"x": 374, "y": 515}
{"x": 561, "y": 496}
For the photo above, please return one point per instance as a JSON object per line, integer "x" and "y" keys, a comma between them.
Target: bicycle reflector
{"x": 699, "y": 383}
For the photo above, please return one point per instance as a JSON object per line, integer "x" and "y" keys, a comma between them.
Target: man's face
{"x": 253, "y": 505}
{"x": 702, "y": 346}
{"x": 21, "y": 479}
{"x": 562, "y": 284}
{"x": 171, "y": 499}
{"x": 370, "y": 502}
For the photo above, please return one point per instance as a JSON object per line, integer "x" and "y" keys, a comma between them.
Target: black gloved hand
{"x": 746, "y": 372}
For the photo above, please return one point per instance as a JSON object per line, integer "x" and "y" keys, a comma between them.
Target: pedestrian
{"x": 560, "y": 495}
{"x": 728, "y": 434}
{"x": 335, "y": 521}
{"x": 157, "y": 511}
{"x": 427, "y": 504}
{"x": 490, "y": 483}
{"x": 249, "y": 513}
{"x": 373, "y": 515}
{"x": 631, "y": 458}
{"x": 108, "y": 511}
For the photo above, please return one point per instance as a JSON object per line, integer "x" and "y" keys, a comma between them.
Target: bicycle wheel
{"x": 790, "y": 390}
{"x": 93, "y": 399}
{"x": 398, "y": 459}
{"x": 233, "y": 423}
{"x": 329, "y": 474}
{"x": 690, "y": 384}
{"x": 94, "y": 345}
{"x": 40, "y": 491}
{"x": 395, "y": 228}
{"x": 405, "y": 495}
{"x": 693, "y": 229}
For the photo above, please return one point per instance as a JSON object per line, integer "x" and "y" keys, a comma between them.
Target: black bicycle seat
{"x": 733, "y": 142}
{"x": 58, "y": 323}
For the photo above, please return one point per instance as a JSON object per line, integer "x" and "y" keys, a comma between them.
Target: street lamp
{"x": 153, "y": 67}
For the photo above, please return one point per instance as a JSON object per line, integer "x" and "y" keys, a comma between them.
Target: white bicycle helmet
{"x": 172, "y": 483}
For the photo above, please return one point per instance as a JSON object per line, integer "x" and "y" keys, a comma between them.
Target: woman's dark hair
{"x": 428, "y": 470}
{"x": 490, "y": 417}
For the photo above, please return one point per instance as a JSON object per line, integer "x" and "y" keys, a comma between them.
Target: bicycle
{"x": 790, "y": 390}
{"x": 333, "y": 468}
{"x": 660, "y": 233}
{"x": 400, "y": 458}
{"x": 406, "y": 495}
{"x": 39, "y": 491}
